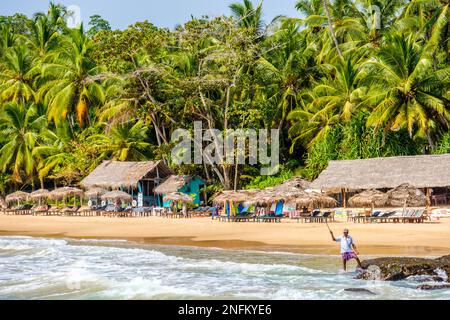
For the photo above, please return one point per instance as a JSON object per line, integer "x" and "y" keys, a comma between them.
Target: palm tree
{"x": 248, "y": 16}
{"x": 287, "y": 69}
{"x": 20, "y": 124}
{"x": 124, "y": 142}
{"x": 54, "y": 151}
{"x": 17, "y": 75}
{"x": 411, "y": 91}
{"x": 70, "y": 80}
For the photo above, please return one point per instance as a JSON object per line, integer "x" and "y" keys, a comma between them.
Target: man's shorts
{"x": 348, "y": 256}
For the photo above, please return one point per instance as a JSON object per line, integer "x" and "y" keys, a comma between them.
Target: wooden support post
{"x": 344, "y": 198}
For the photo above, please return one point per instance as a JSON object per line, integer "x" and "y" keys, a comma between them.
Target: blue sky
{"x": 163, "y": 13}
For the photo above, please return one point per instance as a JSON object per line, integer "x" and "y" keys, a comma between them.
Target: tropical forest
{"x": 342, "y": 80}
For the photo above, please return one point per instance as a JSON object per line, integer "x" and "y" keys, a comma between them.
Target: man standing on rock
{"x": 348, "y": 248}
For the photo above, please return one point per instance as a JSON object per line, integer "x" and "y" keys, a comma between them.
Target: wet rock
{"x": 433, "y": 287}
{"x": 360, "y": 290}
{"x": 392, "y": 268}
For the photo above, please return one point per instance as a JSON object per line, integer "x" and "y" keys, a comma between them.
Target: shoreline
{"x": 421, "y": 240}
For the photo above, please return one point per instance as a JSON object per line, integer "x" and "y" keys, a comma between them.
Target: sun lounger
{"x": 414, "y": 216}
{"x": 270, "y": 218}
{"x": 383, "y": 216}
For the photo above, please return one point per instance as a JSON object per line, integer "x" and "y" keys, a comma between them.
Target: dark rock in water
{"x": 359, "y": 290}
{"x": 433, "y": 287}
{"x": 392, "y": 269}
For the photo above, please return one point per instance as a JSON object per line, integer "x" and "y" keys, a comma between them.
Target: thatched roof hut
{"x": 116, "y": 196}
{"x": 39, "y": 194}
{"x": 95, "y": 193}
{"x": 426, "y": 171}
{"x": 406, "y": 195}
{"x": 370, "y": 198}
{"x": 118, "y": 174}
{"x": 65, "y": 192}
{"x": 17, "y": 196}
{"x": 178, "y": 197}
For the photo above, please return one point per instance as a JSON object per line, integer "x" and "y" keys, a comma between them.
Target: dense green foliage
{"x": 336, "y": 86}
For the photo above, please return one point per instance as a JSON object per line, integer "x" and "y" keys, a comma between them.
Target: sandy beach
{"x": 428, "y": 239}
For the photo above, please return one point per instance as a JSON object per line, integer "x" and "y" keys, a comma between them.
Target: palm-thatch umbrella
{"x": 178, "y": 197}
{"x": 295, "y": 182}
{"x": 369, "y": 198}
{"x": 17, "y": 196}
{"x": 39, "y": 195}
{"x": 66, "y": 192}
{"x": 406, "y": 195}
{"x": 116, "y": 196}
{"x": 95, "y": 193}
{"x": 323, "y": 200}
{"x": 2, "y": 203}
{"x": 234, "y": 196}
{"x": 313, "y": 199}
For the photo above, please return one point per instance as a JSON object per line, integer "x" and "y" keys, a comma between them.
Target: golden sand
{"x": 427, "y": 239}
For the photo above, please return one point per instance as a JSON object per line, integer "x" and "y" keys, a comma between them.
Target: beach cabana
{"x": 369, "y": 198}
{"x": 190, "y": 185}
{"x": 136, "y": 178}
{"x": 422, "y": 172}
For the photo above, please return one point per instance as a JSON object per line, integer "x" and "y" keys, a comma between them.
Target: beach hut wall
{"x": 426, "y": 171}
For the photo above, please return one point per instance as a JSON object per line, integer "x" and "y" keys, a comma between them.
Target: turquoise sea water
{"x": 41, "y": 268}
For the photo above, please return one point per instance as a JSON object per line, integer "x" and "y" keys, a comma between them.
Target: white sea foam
{"x": 40, "y": 268}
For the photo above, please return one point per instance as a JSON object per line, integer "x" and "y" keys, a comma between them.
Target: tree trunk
{"x": 330, "y": 24}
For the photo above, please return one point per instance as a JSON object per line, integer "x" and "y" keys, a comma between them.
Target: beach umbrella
{"x": 234, "y": 196}
{"x": 39, "y": 195}
{"x": 406, "y": 195}
{"x": 178, "y": 197}
{"x": 116, "y": 196}
{"x": 2, "y": 203}
{"x": 95, "y": 193}
{"x": 17, "y": 197}
{"x": 323, "y": 200}
{"x": 295, "y": 182}
{"x": 370, "y": 198}
{"x": 65, "y": 192}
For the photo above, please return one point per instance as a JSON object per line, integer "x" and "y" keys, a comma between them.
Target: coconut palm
{"x": 411, "y": 91}
{"x": 248, "y": 16}
{"x": 69, "y": 83}
{"x": 124, "y": 142}
{"x": 17, "y": 75}
{"x": 21, "y": 125}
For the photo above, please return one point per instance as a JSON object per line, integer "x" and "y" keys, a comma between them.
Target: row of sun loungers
{"x": 409, "y": 215}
